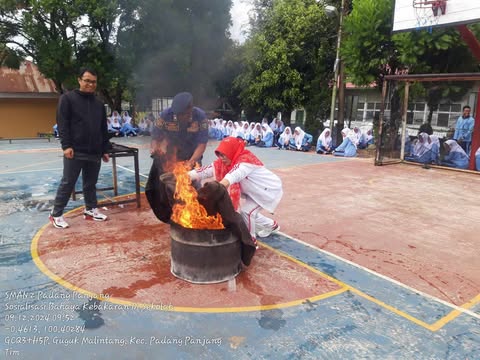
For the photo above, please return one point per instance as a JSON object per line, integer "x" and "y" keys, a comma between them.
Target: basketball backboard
{"x": 419, "y": 14}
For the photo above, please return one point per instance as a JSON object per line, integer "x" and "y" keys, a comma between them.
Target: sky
{"x": 239, "y": 14}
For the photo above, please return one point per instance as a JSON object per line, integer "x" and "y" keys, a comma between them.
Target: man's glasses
{"x": 91, "y": 82}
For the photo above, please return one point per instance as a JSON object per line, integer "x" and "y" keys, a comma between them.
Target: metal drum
{"x": 204, "y": 256}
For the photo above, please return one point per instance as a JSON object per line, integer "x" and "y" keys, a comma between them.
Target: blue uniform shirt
{"x": 185, "y": 137}
{"x": 464, "y": 128}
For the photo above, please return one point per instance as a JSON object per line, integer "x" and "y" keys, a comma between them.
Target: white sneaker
{"x": 268, "y": 231}
{"x": 94, "y": 214}
{"x": 58, "y": 222}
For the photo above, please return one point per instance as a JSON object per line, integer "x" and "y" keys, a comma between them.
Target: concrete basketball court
{"x": 371, "y": 262}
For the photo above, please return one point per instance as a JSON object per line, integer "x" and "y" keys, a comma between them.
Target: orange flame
{"x": 188, "y": 212}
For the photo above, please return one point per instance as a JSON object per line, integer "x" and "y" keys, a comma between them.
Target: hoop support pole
{"x": 475, "y": 135}
{"x": 470, "y": 40}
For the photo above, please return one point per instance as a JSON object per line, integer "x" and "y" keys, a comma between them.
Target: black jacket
{"x": 82, "y": 123}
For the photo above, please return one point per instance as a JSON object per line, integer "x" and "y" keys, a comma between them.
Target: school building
{"x": 28, "y": 102}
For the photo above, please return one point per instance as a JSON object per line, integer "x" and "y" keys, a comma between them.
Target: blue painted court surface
{"x": 373, "y": 314}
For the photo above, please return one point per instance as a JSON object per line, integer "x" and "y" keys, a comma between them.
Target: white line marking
{"x": 443, "y": 302}
{"x": 132, "y": 171}
{"x": 27, "y": 171}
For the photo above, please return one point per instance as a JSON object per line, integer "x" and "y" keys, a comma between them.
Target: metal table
{"x": 115, "y": 152}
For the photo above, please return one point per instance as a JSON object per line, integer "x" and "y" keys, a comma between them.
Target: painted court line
{"x": 28, "y": 171}
{"x": 12, "y": 171}
{"x": 432, "y": 327}
{"x": 132, "y": 171}
{"x": 136, "y": 305}
{"x": 457, "y": 310}
{"x": 461, "y": 309}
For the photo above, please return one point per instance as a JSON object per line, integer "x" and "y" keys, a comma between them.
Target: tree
{"x": 370, "y": 52}
{"x": 62, "y": 36}
{"x": 285, "y": 59}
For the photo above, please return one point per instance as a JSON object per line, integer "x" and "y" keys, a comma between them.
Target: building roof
{"x": 27, "y": 81}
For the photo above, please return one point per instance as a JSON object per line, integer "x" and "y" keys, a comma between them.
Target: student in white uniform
{"x": 245, "y": 176}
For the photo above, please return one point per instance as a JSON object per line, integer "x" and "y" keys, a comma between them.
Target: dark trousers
{"x": 71, "y": 171}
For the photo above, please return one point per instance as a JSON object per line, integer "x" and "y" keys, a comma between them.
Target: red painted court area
{"x": 127, "y": 258}
{"x": 418, "y": 226}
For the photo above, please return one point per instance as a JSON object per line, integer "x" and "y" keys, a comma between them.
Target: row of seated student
{"x": 262, "y": 134}
{"x": 352, "y": 140}
{"x": 426, "y": 149}
{"x": 276, "y": 134}
{"x": 121, "y": 125}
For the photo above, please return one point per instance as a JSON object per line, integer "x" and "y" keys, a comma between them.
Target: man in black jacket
{"x": 82, "y": 127}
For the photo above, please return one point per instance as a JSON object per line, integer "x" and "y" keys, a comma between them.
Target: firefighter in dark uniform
{"x": 180, "y": 134}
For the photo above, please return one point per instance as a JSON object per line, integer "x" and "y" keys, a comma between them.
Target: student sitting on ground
{"x": 360, "y": 138}
{"x": 229, "y": 129}
{"x": 425, "y": 151}
{"x": 267, "y": 137}
{"x": 245, "y": 130}
{"x": 128, "y": 129}
{"x": 324, "y": 142}
{"x": 408, "y": 145}
{"x": 252, "y": 134}
{"x": 369, "y": 137}
{"x": 301, "y": 141}
{"x": 347, "y": 148}
{"x": 477, "y": 159}
{"x": 258, "y": 135}
{"x": 456, "y": 156}
{"x": 114, "y": 126}
{"x": 238, "y": 131}
{"x": 144, "y": 127}
{"x": 284, "y": 139}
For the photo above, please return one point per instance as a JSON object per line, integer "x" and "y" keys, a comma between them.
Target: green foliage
{"x": 370, "y": 51}
{"x": 287, "y": 57}
{"x": 367, "y": 46}
{"x": 62, "y": 36}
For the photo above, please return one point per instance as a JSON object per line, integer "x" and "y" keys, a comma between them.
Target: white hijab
{"x": 127, "y": 119}
{"x": 358, "y": 134}
{"x": 423, "y": 145}
{"x": 326, "y": 140}
{"x": 347, "y": 133}
{"x": 284, "y": 136}
{"x": 266, "y": 129}
{"x": 255, "y": 132}
{"x": 454, "y": 147}
{"x": 299, "y": 138}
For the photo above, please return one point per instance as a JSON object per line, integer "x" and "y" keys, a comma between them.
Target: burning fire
{"x": 188, "y": 212}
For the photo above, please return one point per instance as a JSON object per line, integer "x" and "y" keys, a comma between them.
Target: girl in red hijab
{"x": 247, "y": 178}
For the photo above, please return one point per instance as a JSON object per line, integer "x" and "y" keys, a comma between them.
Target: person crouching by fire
{"x": 244, "y": 175}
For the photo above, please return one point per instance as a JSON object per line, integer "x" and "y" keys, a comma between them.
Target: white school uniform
{"x": 260, "y": 188}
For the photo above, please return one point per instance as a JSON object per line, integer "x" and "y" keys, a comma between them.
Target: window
{"x": 447, "y": 114}
{"x": 442, "y": 119}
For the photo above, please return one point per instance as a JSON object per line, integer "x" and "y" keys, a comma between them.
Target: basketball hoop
{"x": 428, "y": 12}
